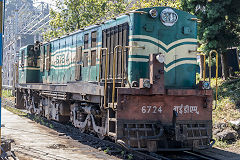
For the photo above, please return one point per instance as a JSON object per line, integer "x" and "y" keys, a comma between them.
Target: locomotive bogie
{"x": 88, "y": 116}
{"x": 57, "y": 110}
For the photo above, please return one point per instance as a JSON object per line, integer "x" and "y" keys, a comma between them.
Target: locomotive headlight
{"x": 169, "y": 17}
{"x": 153, "y": 13}
{"x": 146, "y": 83}
{"x": 160, "y": 58}
{"x": 206, "y": 85}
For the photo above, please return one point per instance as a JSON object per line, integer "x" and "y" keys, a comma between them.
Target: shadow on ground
{"x": 68, "y": 130}
{"x": 107, "y": 147}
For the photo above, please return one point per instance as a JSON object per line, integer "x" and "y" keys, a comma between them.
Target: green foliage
{"x": 156, "y": 3}
{"x": 130, "y": 157}
{"x": 40, "y": 120}
{"x": 197, "y": 78}
{"x": 106, "y": 150}
{"x": 6, "y": 93}
{"x": 230, "y": 89}
{"x": 228, "y": 100}
{"x": 72, "y": 15}
{"x": 228, "y": 107}
{"x": 15, "y": 111}
{"x": 221, "y": 144}
{"x": 220, "y": 27}
{"x": 122, "y": 153}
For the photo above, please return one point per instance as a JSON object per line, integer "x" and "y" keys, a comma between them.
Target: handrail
{"x": 210, "y": 56}
{"x": 122, "y": 83}
{"x": 114, "y": 65}
{"x": 106, "y": 69}
{"x": 114, "y": 70}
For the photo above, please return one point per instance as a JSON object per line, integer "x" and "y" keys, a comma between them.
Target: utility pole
{"x": 1, "y": 50}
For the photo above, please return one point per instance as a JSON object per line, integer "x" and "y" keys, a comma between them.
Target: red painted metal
{"x": 130, "y": 106}
{"x": 134, "y": 102}
{"x": 147, "y": 120}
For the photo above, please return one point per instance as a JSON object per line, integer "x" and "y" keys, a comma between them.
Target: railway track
{"x": 183, "y": 155}
{"x": 113, "y": 148}
{"x": 118, "y": 149}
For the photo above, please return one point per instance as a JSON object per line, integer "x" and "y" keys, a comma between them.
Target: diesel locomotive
{"x": 132, "y": 79}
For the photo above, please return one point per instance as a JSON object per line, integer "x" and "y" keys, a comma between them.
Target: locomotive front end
{"x": 160, "y": 119}
{"x": 164, "y": 110}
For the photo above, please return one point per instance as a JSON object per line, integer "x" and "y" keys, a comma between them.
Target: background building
{"x": 24, "y": 23}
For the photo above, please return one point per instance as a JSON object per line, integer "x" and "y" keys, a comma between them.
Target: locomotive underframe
{"x": 152, "y": 132}
{"x": 76, "y": 102}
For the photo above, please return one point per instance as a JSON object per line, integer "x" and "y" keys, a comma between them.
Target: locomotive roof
{"x": 24, "y": 47}
{"x": 87, "y": 28}
{"x": 143, "y": 10}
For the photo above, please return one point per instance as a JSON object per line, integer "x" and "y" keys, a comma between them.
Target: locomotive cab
{"x": 29, "y": 65}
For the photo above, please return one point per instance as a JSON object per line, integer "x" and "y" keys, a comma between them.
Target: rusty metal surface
{"x": 147, "y": 91}
{"x": 154, "y": 136}
{"x": 157, "y": 119}
{"x": 186, "y": 92}
{"x": 196, "y": 134}
{"x": 160, "y": 107}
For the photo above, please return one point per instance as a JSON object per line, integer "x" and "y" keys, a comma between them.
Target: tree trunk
{"x": 201, "y": 66}
{"x": 225, "y": 68}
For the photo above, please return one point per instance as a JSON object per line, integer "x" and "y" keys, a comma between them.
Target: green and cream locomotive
{"x": 132, "y": 78}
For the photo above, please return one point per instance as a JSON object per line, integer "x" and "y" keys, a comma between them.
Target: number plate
{"x": 151, "y": 109}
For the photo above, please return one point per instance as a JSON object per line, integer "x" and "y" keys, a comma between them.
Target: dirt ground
{"x": 33, "y": 141}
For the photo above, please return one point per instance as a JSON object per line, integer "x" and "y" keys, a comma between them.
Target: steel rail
{"x": 199, "y": 155}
